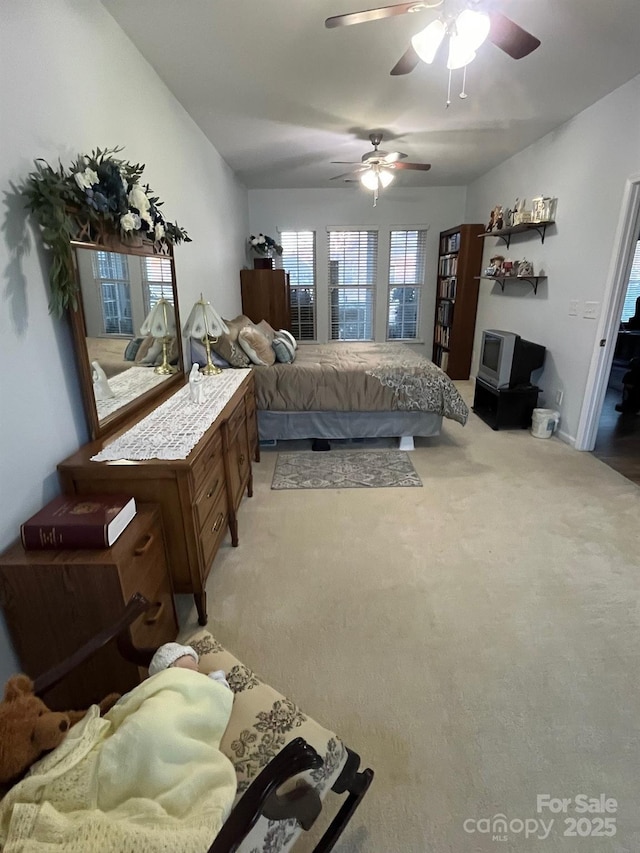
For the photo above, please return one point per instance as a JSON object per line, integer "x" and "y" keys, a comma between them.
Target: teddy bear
{"x": 28, "y": 728}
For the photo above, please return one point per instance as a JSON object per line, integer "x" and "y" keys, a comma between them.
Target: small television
{"x": 507, "y": 360}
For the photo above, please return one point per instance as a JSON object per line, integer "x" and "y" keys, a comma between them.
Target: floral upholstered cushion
{"x": 262, "y": 722}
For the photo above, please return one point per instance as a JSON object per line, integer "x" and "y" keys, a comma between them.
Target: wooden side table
{"x": 54, "y": 601}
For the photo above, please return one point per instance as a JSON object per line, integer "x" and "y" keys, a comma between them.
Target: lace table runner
{"x": 173, "y": 429}
{"x": 128, "y": 386}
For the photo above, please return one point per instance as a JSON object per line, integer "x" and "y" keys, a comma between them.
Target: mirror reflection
{"x": 130, "y": 325}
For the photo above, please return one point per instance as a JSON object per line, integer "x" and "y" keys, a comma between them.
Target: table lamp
{"x": 161, "y": 323}
{"x": 204, "y": 322}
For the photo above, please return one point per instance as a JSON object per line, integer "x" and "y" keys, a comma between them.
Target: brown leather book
{"x": 78, "y": 521}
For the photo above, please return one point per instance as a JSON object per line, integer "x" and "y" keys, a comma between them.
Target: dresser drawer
{"x": 205, "y": 463}
{"x": 236, "y": 420}
{"x": 214, "y": 529}
{"x": 209, "y": 495}
{"x": 144, "y": 567}
{"x": 157, "y": 626}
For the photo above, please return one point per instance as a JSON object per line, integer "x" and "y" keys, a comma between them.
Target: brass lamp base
{"x": 210, "y": 369}
{"x": 165, "y": 369}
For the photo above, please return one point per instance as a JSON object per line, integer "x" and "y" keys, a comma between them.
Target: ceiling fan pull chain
{"x": 449, "y": 91}
{"x": 463, "y": 94}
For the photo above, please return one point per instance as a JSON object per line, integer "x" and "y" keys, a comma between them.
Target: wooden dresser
{"x": 54, "y": 601}
{"x": 199, "y": 496}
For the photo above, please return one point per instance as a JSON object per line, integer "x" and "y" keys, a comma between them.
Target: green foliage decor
{"x": 98, "y": 194}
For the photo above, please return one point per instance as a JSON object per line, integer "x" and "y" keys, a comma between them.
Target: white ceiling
{"x": 280, "y": 96}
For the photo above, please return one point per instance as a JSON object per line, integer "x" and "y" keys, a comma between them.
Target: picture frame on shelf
{"x": 543, "y": 209}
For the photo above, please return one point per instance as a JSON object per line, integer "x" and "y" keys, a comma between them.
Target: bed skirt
{"x": 280, "y": 426}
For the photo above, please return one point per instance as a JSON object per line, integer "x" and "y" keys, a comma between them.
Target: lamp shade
{"x": 369, "y": 179}
{"x": 427, "y": 41}
{"x": 469, "y": 32}
{"x": 161, "y": 320}
{"x": 204, "y": 320}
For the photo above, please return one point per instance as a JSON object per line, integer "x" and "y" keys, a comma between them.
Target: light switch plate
{"x": 591, "y": 310}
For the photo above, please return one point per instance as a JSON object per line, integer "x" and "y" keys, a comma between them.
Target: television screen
{"x": 491, "y": 353}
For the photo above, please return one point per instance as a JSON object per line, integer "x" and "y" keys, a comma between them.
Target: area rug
{"x": 345, "y": 469}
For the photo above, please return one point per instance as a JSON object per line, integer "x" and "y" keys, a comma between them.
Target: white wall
{"x": 398, "y": 207}
{"x": 71, "y": 81}
{"x": 585, "y": 163}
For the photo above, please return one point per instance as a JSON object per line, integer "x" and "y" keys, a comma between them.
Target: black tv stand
{"x": 508, "y": 407}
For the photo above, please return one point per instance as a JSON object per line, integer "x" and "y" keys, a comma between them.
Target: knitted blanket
{"x": 148, "y": 777}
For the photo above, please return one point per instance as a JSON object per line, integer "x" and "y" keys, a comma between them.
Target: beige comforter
{"x": 358, "y": 377}
{"x": 148, "y": 777}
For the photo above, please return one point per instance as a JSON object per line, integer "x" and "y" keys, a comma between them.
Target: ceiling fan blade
{"x": 343, "y": 175}
{"x": 510, "y": 37}
{"x": 369, "y": 15}
{"x": 394, "y": 156}
{"x": 346, "y": 162}
{"x": 420, "y": 167}
{"x": 406, "y": 63}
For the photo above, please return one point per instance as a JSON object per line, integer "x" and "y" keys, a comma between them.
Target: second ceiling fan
{"x": 376, "y": 167}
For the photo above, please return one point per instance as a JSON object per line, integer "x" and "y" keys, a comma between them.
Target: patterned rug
{"x": 345, "y": 469}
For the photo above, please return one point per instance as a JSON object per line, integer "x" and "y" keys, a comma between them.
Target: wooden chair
{"x": 285, "y": 796}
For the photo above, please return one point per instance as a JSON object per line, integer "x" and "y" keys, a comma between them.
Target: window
{"x": 353, "y": 260}
{"x": 299, "y": 260}
{"x": 633, "y": 287}
{"x": 407, "y": 262}
{"x": 157, "y": 280}
{"x": 111, "y": 275}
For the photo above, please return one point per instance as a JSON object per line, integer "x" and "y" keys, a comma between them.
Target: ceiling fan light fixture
{"x": 369, "y": 179}
{"x": 385, "y": 176}
{"x": 473, "y": 28}
{"x": 427, "y": 41}
{"x": 459, "y": 54}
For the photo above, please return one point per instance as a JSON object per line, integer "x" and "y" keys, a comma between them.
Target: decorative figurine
{"x": 196, "y": 388}
{"x": 101, "y": 388}
{"x": 525, "y": 267}
{"x": 495, "y": 267}
{"x": 499, "y": 218}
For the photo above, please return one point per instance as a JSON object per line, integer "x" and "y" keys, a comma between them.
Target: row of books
{"x": 442, "y": 334}
{"x": 451, "y": 243}
{"x": 444, "y": 313}
{"x": 448, "y": 265}
{"x": 447, "y": 288}
{"x": 78, "y": 521}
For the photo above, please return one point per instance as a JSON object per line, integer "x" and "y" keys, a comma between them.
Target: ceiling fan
{"x": 376, "y": 168}
{"x": 465, "y": 24}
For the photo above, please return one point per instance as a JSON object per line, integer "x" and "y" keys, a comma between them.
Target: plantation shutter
{"x": 111, "y": 276}
{"x": 299, "y": 260}
{"x": 633, "y": 287}
{"x": 353, "y": 267}
{"x": 158, "y": 279}
{"x": 407, "y": 264}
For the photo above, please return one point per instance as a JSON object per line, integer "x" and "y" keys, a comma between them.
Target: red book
{"x": 78, "y": 521}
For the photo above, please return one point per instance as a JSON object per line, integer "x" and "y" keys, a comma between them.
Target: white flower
{"x": 159, "y": 231}
{"x": 85, "y": 180}
{"x": 144, "y": 215}
{"x": 130, "y": 222}
{"x": 261, "y": 239}
{"x": 138, "y": 198}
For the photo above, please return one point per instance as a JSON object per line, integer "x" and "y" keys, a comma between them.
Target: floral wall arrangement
{"x": 98, "y": 195}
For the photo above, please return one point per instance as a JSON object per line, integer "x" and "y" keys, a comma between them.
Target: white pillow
{"x": 256, "y": 345}
{"x": 284, "y": 333}
{"x": 285, "y": 353}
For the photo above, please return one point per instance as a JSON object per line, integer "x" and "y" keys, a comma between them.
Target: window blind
{"x": 111, "y": 276}
{"x": 299, "y": 260}
{"x": 158, "y": 280}
{"x": 407, "y": 265}
{"x": 633, "y": 287}
{"x": 353, "y": 265}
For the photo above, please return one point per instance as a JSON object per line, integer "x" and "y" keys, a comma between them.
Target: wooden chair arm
{"x": 261, "y": 796}
{"x": 136, "y": 605}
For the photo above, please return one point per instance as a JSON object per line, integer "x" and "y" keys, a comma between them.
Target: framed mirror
{"x": 126, "y": 331}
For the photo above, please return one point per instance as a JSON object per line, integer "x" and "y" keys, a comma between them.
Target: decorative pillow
{"x": 199, "y": 355}
{"x": 256, "y": 345}
{"x": 227, "y": 344}
{"x": 285, "y": 353}
{"x": 285, "y": 333}
{"x": 132, "y": 349}
{"x": 144, "y": 348}
{"x": 153, "y": 355}
{"x": 266, "y": 329}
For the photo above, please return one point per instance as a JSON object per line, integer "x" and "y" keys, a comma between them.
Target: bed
{"x": 355, "y": 390}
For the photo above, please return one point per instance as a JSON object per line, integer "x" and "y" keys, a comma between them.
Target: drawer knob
{"x": 218, "y": 523}
{"x": 139, "y": 550}
{"x": 241, "y": 459}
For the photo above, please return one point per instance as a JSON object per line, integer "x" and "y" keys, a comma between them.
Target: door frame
{"x": 615, "y": 292}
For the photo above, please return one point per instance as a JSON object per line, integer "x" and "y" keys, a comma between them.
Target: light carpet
{"x": 344, "y": 469}
{"x": 476, "y": 641}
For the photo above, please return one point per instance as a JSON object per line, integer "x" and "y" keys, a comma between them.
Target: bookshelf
{"x": 459, "y": 260}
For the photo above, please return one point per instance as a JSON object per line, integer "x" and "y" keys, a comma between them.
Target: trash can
{"x": 544, "y": 422}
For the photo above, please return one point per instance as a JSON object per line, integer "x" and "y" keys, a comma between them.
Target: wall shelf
{"x": 503, "y": 279}
{"x": 505, "y": 233}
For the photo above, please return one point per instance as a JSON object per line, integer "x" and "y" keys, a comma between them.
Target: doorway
{"x": 614, "y": 436}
